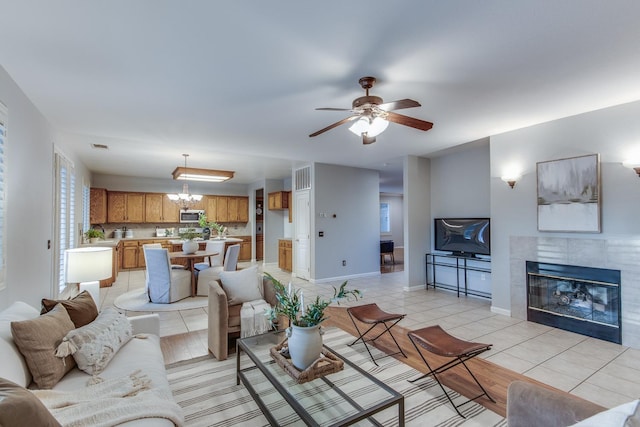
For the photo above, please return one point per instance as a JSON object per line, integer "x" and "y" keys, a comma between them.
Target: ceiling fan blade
{"x": 331, "y": 126}
{"x": 366, "y": 140}
{"x": 398, "y": 105}
{"x": 409, "y": 121}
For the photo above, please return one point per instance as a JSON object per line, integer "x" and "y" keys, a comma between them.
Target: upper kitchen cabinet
{"x": 125, "y": 207}
{"x": 97, "y": 205}
{"x": 159, "y": 208}
{"x": 230, "y": 208}
{"x": 279, "y": 200}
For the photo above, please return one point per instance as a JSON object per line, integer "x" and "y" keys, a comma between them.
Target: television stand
{"x": 461, "y": 263}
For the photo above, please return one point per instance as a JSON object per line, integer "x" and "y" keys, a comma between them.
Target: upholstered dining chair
{"x": 164, "y": 284}
{"x": 213, "y": 273}
{"x": 159, "y": 246}
{"x": 212, "y": 261}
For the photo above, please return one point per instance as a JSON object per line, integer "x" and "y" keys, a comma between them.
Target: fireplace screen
{"x": 575, "y": 298}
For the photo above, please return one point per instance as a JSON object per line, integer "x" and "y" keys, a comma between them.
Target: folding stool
{"x": 372, "y": 314}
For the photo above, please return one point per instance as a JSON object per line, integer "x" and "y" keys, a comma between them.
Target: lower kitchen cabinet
{"x": 285, "y": 260}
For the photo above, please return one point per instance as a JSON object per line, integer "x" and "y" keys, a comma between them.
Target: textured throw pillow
{"x": 241, "y": 285}
{"x": 81, "y": 308}
{"x": 19, "y": 407}
{"x": 37, "y": 340}
{"x": 94, "y": 345}
{"x": 624, "y": 415}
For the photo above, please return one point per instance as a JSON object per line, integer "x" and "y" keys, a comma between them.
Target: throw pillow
{"x": 621, "y": 416}
{"x": 94, "y": 345}
{"x": 241, "y": 285}
{"x": 81, "y": 308}
{"x": 19, "y": 407}
{"x": 37, "y": 340}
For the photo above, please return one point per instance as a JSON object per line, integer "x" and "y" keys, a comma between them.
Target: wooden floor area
{"x": 494, "y": 378}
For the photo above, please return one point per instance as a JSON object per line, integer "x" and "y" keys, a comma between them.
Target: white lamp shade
{"x": 378, "y": 125}
{"x": 88, "y": 264}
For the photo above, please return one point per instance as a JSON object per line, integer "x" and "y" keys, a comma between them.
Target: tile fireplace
{"x": 580, "y": 299}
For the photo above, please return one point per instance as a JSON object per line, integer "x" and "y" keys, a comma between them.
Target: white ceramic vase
{"x": 305, "y": 345}
{"x": 189, "y": 246}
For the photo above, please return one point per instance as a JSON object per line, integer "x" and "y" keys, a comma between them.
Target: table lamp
{"x": 87, "y": 266}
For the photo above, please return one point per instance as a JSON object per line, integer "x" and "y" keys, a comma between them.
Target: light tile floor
{"x": 599, "y": 371}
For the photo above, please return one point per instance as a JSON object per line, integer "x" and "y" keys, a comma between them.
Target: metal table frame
{"x": 395, "y": 399}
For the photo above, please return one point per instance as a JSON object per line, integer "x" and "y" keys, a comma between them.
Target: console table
{"x": 459, "y": 263}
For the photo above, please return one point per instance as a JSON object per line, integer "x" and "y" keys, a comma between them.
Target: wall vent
{"x": 303, "y": 178}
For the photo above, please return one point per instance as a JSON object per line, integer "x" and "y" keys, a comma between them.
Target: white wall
{"x": 396, "y": 218}
{"x": 29, "y": 185}
{"x": 351, "y": 194}
{"x": 613, "y": 132}
{"x": 152, "y": 185}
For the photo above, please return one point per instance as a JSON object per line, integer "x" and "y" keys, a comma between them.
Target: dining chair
{"x": 213, "y": 273}
{"x": 212, "y": 261}
{"x": 159, "y": 246}
{"x": 164, "y": 284}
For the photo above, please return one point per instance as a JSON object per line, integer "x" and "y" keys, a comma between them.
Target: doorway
{"x": 259, "y": 218}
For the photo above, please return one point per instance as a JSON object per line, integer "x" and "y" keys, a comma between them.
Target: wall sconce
{"x": 632, "y": 164}
{"x": 510, "y": 180}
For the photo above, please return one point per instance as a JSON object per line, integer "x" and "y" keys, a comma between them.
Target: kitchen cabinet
{"x": 159, "y": 208}
{"x": 129, "y": 255}
{"x": 285, "y": 261}
{"x": 123, "y": 207}
{"x": 210, "y": 208}
{"x": 279, "y": 200}
{"x": 230, "y": 208}
{"x": 245, "y": 248}
{"x": 97, "y": 205}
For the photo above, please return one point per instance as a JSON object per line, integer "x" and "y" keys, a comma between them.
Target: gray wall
{"x": 613, "y": 132}
{"x": 29, "y": 188}
{"x": 417, "y": 230}
{"x": 354, "y": 234}
{"x": 153, "y": 185}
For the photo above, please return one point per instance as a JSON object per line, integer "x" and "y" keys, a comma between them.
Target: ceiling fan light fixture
{"x": 371, "y": 127}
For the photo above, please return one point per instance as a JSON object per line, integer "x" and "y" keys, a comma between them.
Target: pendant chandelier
{"x": 185, "y": 199}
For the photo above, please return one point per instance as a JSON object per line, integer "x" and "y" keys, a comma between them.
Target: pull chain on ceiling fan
{"x": 372, "y": 116}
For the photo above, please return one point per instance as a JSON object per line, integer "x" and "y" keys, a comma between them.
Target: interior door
{"x": 302, "y": 258}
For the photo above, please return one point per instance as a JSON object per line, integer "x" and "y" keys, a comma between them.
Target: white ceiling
{"x": 236, "y": 83}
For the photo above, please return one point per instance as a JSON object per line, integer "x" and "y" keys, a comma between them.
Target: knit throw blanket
{"x": 253, "y": 319}
{"x": 111, "y": 402}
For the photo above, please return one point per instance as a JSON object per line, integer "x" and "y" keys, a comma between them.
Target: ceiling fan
{"x": 372, "y": 116}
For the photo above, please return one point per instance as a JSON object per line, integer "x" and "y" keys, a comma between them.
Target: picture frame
{"x": 569, "y": 194}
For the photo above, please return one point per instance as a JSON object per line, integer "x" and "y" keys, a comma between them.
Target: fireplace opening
{"x": 579, "y": 299}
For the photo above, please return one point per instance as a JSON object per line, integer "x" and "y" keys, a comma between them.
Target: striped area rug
{"x": 206, "y": 390}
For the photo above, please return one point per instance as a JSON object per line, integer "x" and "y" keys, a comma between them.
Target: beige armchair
{"x": 224, "y": 319}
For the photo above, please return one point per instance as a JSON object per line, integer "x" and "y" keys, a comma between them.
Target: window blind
{"x": 3, "y": 206}
{"x": 65, "y": 207}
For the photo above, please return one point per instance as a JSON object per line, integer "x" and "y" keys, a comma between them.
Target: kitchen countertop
{"x": 114, "y": 242}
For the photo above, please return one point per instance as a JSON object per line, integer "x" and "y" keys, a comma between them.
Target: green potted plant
{"x": 93, "y": 235}
{"x": 189, "y": 246}
{"x": 304, "y": 334}
{"x": 202, "y": 221}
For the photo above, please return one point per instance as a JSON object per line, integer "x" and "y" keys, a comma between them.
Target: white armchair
{"x": 164, "y": 284}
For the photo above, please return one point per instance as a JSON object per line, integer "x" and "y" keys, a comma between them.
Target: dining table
{"x": 191, "y": 259}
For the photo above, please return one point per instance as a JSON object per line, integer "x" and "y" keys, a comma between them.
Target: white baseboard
{"x": 414, "y": 288}
{"x": 499, "y": 310}
{"x": 343, "y": 278}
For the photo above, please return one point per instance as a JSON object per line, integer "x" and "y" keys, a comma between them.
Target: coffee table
{"x": 338, "y": 399}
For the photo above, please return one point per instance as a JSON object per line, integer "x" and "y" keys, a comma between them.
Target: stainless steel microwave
{"x": 191, "y": 215}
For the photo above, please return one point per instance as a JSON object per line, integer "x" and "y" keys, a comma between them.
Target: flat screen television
{"x": 463, "y": 236}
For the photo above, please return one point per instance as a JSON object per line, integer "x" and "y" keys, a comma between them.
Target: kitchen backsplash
{"x": 149, "y": 230}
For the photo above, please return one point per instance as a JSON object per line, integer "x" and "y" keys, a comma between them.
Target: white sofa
{"x": 143, "y": 354}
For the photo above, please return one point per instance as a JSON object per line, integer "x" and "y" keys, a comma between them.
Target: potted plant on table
{"x": 189, "y": 246}
{"x": 93, "y": 235}
{"x": 304, "y": 334}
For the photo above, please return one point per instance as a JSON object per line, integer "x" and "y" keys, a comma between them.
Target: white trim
{"x": 498, "y": 310}
{"x": 342, "y": 278}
